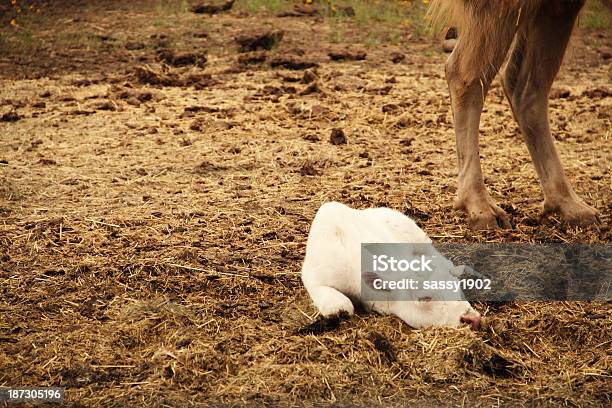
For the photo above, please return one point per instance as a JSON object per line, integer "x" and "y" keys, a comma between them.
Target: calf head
{"x": 421, "y": 299}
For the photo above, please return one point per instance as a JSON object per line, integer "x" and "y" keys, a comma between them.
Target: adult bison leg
{"x": 530, "y": 72}
{"x": 483, "y": 44}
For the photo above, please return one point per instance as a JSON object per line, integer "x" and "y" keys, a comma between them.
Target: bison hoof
{"x": 575, "y": 213}
{"x": 484, "y": 214}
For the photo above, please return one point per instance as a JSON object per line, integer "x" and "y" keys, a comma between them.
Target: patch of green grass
{"x": 168, "y": 11}
{"x": 165, "y": 7}
{"x": 83, "y": 40}
{"x": 417, "y": 18}
{"x": 596, "y": 16}
{"x": 25, "y": 37}
{"x": 380, "y": 21}
{"x": 159, "y": 21}
{"x": 259, "y": 6}
{"x": 200, "y": 25}
{"x": 337, "y": 31}
{"x": 21, "y": 39}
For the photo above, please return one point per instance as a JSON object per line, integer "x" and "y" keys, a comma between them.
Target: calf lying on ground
{"x": 538, "y": 31}
{"x": 332, "y": 268}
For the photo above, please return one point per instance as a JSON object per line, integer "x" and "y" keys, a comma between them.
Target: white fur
{"x": 332, "y": 267}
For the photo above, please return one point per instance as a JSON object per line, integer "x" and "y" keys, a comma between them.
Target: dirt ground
{"x": 153, "y": 218}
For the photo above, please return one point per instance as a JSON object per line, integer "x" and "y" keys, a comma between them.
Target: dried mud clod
{"x": 311, "y": 89}
{"x": 211, "y": 8}
{"x": 292, "y": 62}
{"x": 300, "y": 10}
{"x": 397, "y": 57}
{"x": 87, "y": 81}
{"x": 311, "y": 137}
{"x": 560, "y": 92}
{"x": 207, "y": 167}
{"x": 104, "y": 106}
{"x": 182, "y": 59}
{"x": 391, "y": 109}
{"x": 132, "y": 94}
{"x": 150, "y": 76}
{"x": 347, "y": 55}
{"x": 308, "y": 169}
{"x": 134, "y": 45}
{"x": 310, "y": 75}
{"x": 273, "y": 93}
{"x": 147, "y": 75}
{"x": 11, "y": 116}
{"x": 337, "y": 137}
{"x": 599, "y": 92}
{"x": 259, "y": 39}
{"x": 250, "y": 58}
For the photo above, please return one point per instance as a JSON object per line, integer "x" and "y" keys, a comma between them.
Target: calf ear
{"x": 369, "y": 278}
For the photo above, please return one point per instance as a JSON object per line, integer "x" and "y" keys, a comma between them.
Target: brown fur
{"x": 473, "y": 17}
{"x": 535, "y": 33}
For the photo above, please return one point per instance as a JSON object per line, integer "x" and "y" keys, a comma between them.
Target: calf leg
{"x": 529, "y": 75}
{"x": 483, "y": 44}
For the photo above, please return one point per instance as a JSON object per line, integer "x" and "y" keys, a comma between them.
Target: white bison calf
{"x": 332, "y": 268}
